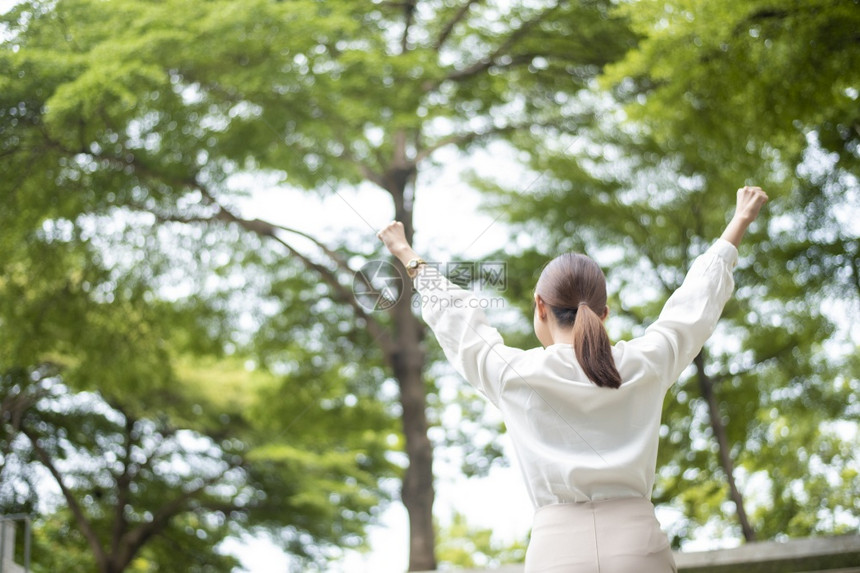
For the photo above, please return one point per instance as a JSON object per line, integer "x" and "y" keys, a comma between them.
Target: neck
{"x": 560, "y": 335}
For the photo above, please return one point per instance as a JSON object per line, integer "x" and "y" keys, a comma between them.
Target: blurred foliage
{"x": 462, "y": 545}
{"x": 126, "y": 128}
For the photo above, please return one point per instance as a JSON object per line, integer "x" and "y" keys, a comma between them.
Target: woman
{"x": 584, "y": 415}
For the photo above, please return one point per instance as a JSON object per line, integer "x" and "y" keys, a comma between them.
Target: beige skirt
{"x": 612, "y": 536}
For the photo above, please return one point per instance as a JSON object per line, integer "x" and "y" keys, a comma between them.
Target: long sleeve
{"x": 690, "y": 315}
{"x": 471, "y": 345}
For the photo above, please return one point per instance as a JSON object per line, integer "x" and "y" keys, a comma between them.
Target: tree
{"x": 114, "y": 473}
{"x": 137, "y": 491}
{"x": 718, "y": 95}
{"x": 163, "y": 444}
{"x": 140, "y": 107}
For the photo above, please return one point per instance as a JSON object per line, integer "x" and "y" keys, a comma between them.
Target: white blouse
{"x": 576, "y": 441}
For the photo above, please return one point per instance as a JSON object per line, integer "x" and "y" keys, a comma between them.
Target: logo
{"x": 377, "y": 285}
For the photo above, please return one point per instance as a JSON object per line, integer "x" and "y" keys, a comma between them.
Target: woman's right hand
{"x": 750, "y": 201}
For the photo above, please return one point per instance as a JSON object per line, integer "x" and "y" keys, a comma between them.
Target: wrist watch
{"x": 412, "y": 267}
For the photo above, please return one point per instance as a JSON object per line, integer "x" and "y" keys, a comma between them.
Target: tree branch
{"x": 80, "y": 518}
{"x": 720, "y": 378}
{"x": 134, "y": 539}
{"x": 449, "y": 27}
{"x": 468, "y": 137}
{"x": 260, "y": 228}
{"x": 706, "y": 386}
{"x": 15, "y": 405}
{"x": 379, "y": 334}
{"x": 408, "y": 19}
{"x": 491, "y": 59}
{"x": 462, "y": 138}
{"x": 370, "y": 174}
{"x": 485, "y": 64}
{"x": 123, "y": 484}
{"x": 854, "y": 261}
{"x": 339, "y": 260}
{"x": 266, "y": 229}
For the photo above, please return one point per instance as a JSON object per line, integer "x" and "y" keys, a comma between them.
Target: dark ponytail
{"x": 574, "y": 287}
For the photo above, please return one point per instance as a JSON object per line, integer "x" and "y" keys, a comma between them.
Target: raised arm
{"x": 750, "y": 201}
{"x": 473, "y": 347}
{"x": 690, "y": 315}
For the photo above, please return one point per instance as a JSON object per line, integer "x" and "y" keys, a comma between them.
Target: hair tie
{"x": 582, "y": 303}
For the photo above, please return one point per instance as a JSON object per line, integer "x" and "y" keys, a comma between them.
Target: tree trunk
{"x": 408, "y": 363}
{"x": 706, "y": 386}
{"x": 418, "y": 491}
{"x": 403, "y": 352}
